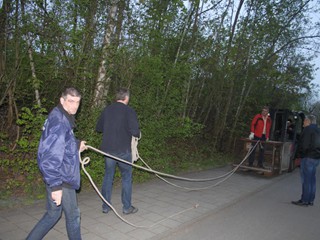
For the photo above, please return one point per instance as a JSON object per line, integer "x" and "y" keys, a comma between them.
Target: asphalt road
{"x": 267, "y": 214}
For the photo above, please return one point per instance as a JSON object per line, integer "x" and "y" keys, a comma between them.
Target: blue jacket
{"x": 58, "y": 152}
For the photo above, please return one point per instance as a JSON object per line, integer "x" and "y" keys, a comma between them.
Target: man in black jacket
{"x": 118, "y": 123}
{"x": 309, "y": 149}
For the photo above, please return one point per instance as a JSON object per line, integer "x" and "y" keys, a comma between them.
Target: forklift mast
{"x": 286, "y": 126}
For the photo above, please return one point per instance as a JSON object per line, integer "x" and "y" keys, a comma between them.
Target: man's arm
{"x": 99, "y": 125}
{"x": 134, "y": 124}
{"x": 305, "y": 143}
{"x": 253, "y": 123}
{"x": 50, "y": 160}
{"x": 51, "y": 156}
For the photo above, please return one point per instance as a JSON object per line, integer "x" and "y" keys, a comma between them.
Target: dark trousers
{"x": 261, "y": 151}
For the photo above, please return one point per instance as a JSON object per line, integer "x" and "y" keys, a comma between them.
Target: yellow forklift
{"x": 280, "y": 151}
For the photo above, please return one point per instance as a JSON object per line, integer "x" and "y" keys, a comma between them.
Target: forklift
{"x": 280, "y": 153}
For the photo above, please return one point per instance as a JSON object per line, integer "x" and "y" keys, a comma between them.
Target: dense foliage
{"x": 197, "y": 70}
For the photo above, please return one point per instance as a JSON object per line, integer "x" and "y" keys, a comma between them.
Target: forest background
{"x": 198, "y": 71}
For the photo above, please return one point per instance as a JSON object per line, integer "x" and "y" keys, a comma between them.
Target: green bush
{"x": 167, "y": 145}
{"x": 31, "y": 121}
{"x": 20, "y": 169}
{"x": 22, "y": 178}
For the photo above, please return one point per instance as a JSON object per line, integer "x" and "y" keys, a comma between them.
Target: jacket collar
{"x": 70, "y": 117}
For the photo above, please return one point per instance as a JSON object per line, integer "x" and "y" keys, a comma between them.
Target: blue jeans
{"x": 126, "y": 179}
{"x": 308, "y": 168}
{"x": 71, "y": 211}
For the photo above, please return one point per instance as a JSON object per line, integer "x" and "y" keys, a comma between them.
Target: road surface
{"x": 267, "y": 214}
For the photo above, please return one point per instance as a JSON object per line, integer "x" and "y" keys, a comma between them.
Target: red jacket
{"x": 257, "y": 125}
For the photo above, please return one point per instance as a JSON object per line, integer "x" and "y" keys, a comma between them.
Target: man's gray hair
{"x": 70, "y": 91}
{"x": 312, "y": 118}
{"x": 122, "y": 93}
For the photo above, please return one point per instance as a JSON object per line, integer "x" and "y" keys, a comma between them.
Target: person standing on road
{"x": 309, "y": 149}
{"x": 118, "y": 123}
{"x": 260, "y": 130}
{"x": 58, "y": 160}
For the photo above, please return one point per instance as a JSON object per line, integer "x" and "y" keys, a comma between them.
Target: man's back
{"x": 118, "y": 123}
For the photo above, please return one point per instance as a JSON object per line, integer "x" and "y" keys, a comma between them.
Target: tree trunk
{"x": 222, "y": 122}
{"x": 193, "y": 44}
{"x": 35, "y": 81}
{"x": 103, "y": 79}
{"x": 242, "y": 100}
{"x": 87, "y": 48}
{"x": 188, "y": 20}
{"x": 3, "y": 38}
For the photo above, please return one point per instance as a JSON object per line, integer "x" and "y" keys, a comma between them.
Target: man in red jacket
{"x": 260, "y": 130}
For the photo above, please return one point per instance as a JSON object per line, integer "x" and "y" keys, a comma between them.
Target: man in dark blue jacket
{"x": 58, "y": 160}
{"x": 309, "y": 149}
{"x": 118, "y": 122}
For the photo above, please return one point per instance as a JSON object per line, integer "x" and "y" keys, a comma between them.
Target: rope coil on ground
{"x": 86, "y": 160}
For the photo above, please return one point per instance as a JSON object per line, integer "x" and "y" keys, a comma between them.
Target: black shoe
{"x": 300, "y": 203}
{"x": 310, "y": 203}
{"x": 261, "y": 166}
{"x": 105, "y": 211}
{"x": 296, "y": 202}
{"x": 131, "y": 210}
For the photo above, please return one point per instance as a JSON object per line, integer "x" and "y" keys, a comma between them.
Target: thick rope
{"x": 161, "y": 173}
{"x": 86, "y": 160}
{"x": 134, "y": 148}
{"x": 225, "y": 176}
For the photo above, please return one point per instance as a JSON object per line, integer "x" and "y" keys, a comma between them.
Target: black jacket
{"x": 118, "y": 123}
{"x": 309, "y": 146}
